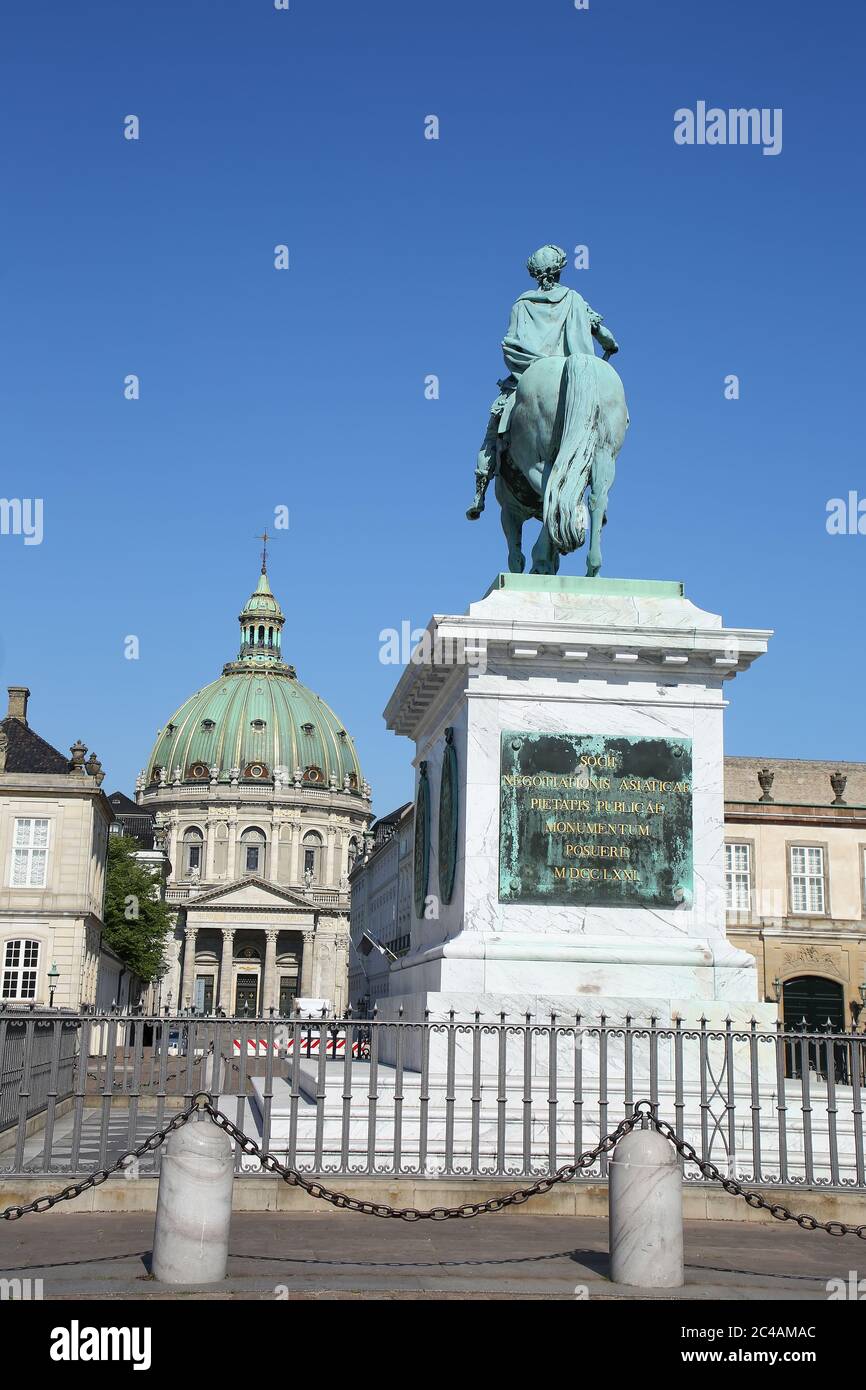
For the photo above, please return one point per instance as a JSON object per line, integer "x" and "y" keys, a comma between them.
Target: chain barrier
{"x": 346, "y": 1203}
{"x": 75, "y": 1189}
{"x": 752, "y": 1199}
{"x": 643, "y": 1116}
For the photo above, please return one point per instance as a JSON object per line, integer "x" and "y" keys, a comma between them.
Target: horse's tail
{"x": 582, "y": 433}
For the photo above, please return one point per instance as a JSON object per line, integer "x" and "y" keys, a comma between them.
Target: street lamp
{"x": 777, "y": 990}
{"x": 53, "y": 977}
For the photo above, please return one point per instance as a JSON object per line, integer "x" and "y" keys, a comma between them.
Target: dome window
{"x": 308, "y": 728}
{"x": 314, "y": 774}
{"x": 258, "y": 725}
{"x": 208, "y": 724}
{"x": 353, "y": 781}
{"x": 341, "y": 733}
{"x": 199, "y": 772}
{"x": 154, "y": 776}
{"x": 170, "y": 728}
{"x": 256, "y": 771}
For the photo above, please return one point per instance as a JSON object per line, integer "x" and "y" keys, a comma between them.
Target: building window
{"x": 30, "y": 853}
{"x": 193, "y": 845}
{"x": 808, "y": 891}
{"x": 312, "y": 847}
{"x": 738, "y": 877}
{"x": 20, "y": 969}
{"x": 253, "y": 851}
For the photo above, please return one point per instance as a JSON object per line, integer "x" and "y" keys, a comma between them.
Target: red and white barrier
{"x": 256, "y": 1047}
{"x": 309, "y": 1045}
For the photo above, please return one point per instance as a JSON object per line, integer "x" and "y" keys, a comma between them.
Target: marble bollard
{"x": 645, "y": 1196}
{"x": 194, "y": 1205}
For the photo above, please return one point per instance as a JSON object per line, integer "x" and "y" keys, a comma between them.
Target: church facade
{"x": 261, "y": 807}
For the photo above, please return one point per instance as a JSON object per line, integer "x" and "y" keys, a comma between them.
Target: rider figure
{"x": 550, "y": 321}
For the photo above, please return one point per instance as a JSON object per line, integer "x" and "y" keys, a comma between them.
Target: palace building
{"x": 54, "y": 826}
{"x": 795, "y": 875}
{"x": 259, "y": 801}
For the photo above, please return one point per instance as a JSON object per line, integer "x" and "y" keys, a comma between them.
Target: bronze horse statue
{"x": 558, "y": 427}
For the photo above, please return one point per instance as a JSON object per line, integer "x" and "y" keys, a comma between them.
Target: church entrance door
{"x": 246, "y": 993}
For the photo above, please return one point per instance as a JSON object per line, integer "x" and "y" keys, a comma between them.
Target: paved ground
{"x": 279, "y": 1255}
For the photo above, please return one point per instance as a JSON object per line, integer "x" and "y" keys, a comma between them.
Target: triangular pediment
{"x": 250, "y": 892}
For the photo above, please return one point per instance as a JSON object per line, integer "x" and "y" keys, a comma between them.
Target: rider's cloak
{"x": 547, "y": 323}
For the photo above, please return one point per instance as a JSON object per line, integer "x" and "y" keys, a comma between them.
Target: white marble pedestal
{"x": 542, "y": 654}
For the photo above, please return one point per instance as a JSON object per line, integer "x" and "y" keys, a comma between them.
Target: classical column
{"x": 341, "y": 974}
{"x": 327, "y": 869}
{"x": 298, "y": 843}
{"x": 306, "y": 989}
{"x": 269, "y": 982}
{"x": 226, "y": 958}
{"x": 188, "y": 978}
{"x": 171, "y": 848}
{"x": 209, "y": 850}
{"x": 274, "y": 850}
{"x": 231, "y": 857}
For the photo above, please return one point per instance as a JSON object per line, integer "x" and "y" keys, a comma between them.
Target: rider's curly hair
{"x": 545, "y": 265}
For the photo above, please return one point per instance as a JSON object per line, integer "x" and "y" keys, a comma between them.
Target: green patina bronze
{"x": 448, "y": 811}
{"x": 422, "y": 841}
{"x": 557, "y": 425}
{"x": 595, "y": 819}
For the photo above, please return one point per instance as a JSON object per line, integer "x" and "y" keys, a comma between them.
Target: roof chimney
{"x": 18, "y": 697}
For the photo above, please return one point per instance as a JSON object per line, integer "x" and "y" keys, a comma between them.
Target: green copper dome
{"x": 256, "y": 720}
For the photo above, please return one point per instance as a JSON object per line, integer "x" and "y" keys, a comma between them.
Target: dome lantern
{"x": 262, "y": 622}
{"x": 257, "y": 722}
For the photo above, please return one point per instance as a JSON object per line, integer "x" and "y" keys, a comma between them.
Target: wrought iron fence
{"x": 470, "y": 1098}
{"x": 36, "y": 1065}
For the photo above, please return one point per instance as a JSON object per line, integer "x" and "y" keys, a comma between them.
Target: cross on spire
{"x": 265, "y": 538}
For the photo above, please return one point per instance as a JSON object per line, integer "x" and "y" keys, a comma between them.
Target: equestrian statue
{"x": 557, "y": 425}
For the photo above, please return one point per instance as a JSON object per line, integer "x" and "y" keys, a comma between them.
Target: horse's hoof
{"x": 473, "y": 514}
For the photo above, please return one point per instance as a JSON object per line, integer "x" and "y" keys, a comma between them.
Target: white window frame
{"x": 16, "y": 965}
{"x": 28, "y": 853}
{"x": 737, "y": 878}
{"x": 807, "y": 879}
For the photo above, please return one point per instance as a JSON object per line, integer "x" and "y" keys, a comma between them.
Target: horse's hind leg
{"x": 603, "y": 470}
{"x": 545, "y": 559}
{"x": 512, "y": 524}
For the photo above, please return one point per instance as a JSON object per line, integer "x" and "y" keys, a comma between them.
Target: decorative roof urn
{"x": 838, "y": 781}
{"x": 766, "y": 779}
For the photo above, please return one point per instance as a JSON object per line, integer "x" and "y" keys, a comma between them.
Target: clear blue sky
{"x": 306, "y": 387}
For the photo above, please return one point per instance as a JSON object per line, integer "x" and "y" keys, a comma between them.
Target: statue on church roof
{"x": 558, "y": 424}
